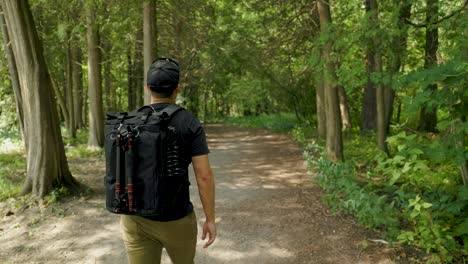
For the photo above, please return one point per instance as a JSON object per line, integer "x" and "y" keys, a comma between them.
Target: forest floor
{"x": 269, "y": 210}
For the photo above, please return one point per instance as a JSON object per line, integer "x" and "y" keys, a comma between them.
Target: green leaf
{"x": 395, "y": 176}
{"x": 426, "y": 205}
{"x": 462, "y": 229}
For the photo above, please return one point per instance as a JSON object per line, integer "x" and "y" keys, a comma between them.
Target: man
{"x": 144, "y": 237}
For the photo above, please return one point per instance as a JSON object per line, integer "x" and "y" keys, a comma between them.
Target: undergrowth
{"x": 408, "y": 197}
{"x": 13, "y": 161}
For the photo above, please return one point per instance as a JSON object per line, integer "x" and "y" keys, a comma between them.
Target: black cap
{"x": 163, "y": 75}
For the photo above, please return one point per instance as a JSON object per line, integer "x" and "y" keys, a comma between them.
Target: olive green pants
{"x": 144, "y": 239}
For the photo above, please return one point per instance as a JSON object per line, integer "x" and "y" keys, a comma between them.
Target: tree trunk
{"x": 460, "y": 141}
{"x": 428, "y": 115}
{"x": 61, "y": 100}
{"x": 109, "y": 93}
{"x": 13, "y": 77}
{"x": 344, "y": 109}
{"x": 69, "y": 91}
{"x": 320, "y": 104}
{"x": 130, "y": 82}
{"x": 333, "y": 116}
{"x": 77, "y": 79}
{"x": 464, "y": 172}
{"x": 47, "y": 165}
{"x": 380, "y": 90}
{"x": 149, "y": 40}
{"x": 138, "y": 74}
{"x": 96, "y": 115}
{"x": 369, "y": 103}
{"x": 396, "y": 59}
{"x": 380, "y": 96}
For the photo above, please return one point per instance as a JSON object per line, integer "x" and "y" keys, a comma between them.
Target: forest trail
{"x": 268, "y": 211}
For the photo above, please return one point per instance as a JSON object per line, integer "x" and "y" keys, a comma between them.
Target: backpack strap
{"x": 146, "y": 107}
{"x": 171, "y": 110}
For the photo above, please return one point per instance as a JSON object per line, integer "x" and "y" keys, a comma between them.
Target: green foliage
{"x": 346, "y": 195}
{"x": 406, "y": 165}
{"x": 56, "y": 194}
{"x": 279, "y": 123}
{"x": 418, "y": 162}
{"x": 421, "y": 208}
{"x": 12, "y": 173}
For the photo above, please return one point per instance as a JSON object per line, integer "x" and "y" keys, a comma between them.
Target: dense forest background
{"x": 376, "y": 91}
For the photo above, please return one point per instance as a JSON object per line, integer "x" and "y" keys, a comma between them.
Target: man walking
{"x": 145, "y": 237}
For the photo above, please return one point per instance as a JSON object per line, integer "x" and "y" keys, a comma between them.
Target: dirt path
{"x": 268, "y": 211}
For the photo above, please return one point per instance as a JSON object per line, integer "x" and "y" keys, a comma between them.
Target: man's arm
{"x": 205, "y": 182}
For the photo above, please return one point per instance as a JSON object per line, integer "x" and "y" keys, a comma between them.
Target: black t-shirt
{"x": 192, "y": 137}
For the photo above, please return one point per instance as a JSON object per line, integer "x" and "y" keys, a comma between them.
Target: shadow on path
{"x": 268, "y": 211}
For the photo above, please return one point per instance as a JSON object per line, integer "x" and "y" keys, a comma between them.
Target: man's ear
{"x": 149, "y": 89}
{"x": 176, "y": 91}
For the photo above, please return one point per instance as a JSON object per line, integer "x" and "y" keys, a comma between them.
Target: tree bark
{"x": 77, "y": 79}
{"x": 380, "y": 90}
{"x": 369, "y": 103}
{"x": 396, "y": 60}
{"x": 96, "y": 115}
{"x": 130, "y": 82}
{"x": 333, "y": 116}
{"x": 138, "y": 74}
{"x": 149, "y": 41}
{"x": 69, "y": 91}
{"x": 13, "y": 77}
{"x": 109, "y": 93}
{"x": 344, "y": 109}
{"x": 428, "y": 115}
{"x": 47, "y": 165}
{"x": 320, "y": 104}
{"x": 61, "y": 100}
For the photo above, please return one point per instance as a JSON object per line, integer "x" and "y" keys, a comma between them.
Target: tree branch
{"x": 407, "y": 21}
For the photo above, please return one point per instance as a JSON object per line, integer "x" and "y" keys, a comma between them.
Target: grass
{"x": 13, "y": 160}
{"x": 12, "y": 173}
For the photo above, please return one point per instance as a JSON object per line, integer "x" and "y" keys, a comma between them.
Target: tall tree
{"x": 46, "y": 162}
{"x": 96, "y": 115}
{"x": 149, "y": 41}
{"x": 380, "y": 88}
{"x": 428, "y": 115}
{"x": 320, "y": 108}
{"x": 77, "y": 79}
{"x": 69, "y": 88}
{"x": 333, "y": 115}
{"x": 344, "y": 109}
{"x": 130, "y": 83}
{"x": 138, "y": 75}
{"x": 13, "y": 75}
{"x": 369, "y": 103}
{"x": 397, "y": 53}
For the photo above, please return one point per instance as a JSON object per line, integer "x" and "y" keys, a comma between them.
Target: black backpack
{"x": 144, "y": 175}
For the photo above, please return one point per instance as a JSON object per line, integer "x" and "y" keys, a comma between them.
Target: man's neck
{"x": 162, "y": 100}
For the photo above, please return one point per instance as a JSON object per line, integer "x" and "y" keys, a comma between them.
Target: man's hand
{"x": 205, "y": 182}
{"x": 210, "y": 229}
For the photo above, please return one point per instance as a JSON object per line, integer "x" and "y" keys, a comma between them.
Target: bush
{"x": 408, "y": 198}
